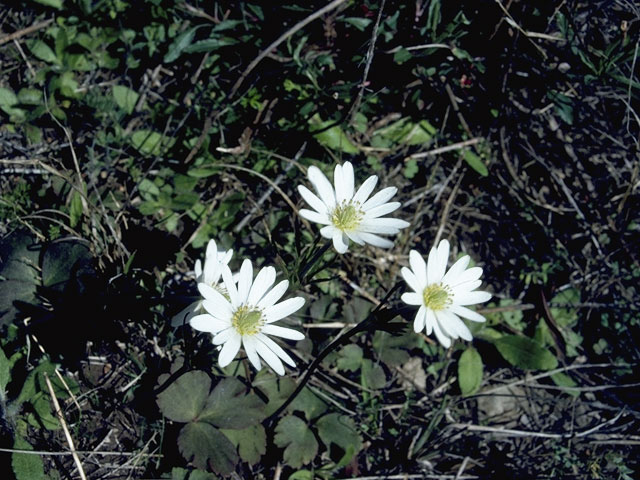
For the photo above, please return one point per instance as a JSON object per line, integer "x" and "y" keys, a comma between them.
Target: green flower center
{"x": 347, "y": 216}
{"x": 437, "y": 296}
{"x": 246, "y": 320}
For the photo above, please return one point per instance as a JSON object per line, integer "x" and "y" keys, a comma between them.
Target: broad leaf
{"x": 331, "y": 136}
{"x": 525, "y": 353}
{"x": 125, "y": 98}
{"x": 26, "y": 466}
{"x": 391, "y": 349}
{"x": 208, "y": 449}
{"x": 350, "y": 358}
{"x": 309, "y": 403}
{"x": 185, "y": 399}
{"x": 475, "y": 162}
{"x": 5, "y": 373}
{"x": 470, "y": 371}
{"x": 251, "y": 442}
{"x": 340, "y": 430}
{"x": 299, "y": 443}
{"x": 60, "y": 262}
{"x": 276, "y": 389}
{"x": 229, "y": 406}
{"x": 181, "y": 42}
{"x": 373, "y": 375}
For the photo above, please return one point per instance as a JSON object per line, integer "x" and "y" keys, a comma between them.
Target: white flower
{"x": 245, "y": 316}
{"x": 214, "y": 261}
{"x": 442, "y": 296}
{"x": 347, "y": 215}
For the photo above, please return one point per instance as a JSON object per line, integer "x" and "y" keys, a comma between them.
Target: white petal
{"x": 365, "y": 189}
{"x": 271, "y": 358}
{"x": 249, "y": 344}
{"x": 452, "y": 325}
{"x": 197, "y": 269}
{"x": 220, "y": 310}
{"x": 321, "y": 218}
{"x": 226, "y": 257}
{"x": 274, "y": 294}
{"x": 339, "y": 241}
{"x": 311, "y": 198}
{"x": 375, "y": 240}
{"x": 355, "y": 236}
{"x": 470, "y": 298}
{"x": 412, "y": 280}
{"x": 467, "y": 286}
{"x": 469, "y": 275}
{"x": 371, "y": 227}
{"x": 419, "y": 268}
{"x": 263, "y": 282}
{"x": 224, "y": 335}
{"x": 322, "y": 186}
{"x": 379, "y": 198}
{"x": 277, "y": 349}
{"x": 230, "y": 285}
{"x": 245, "y": 280}
{"x": 229, "y": 350}
{"x": 283, "y": 309}
{"x": 282, "y": 332}
{"x": 381, "y": 210}
{"x": 455, "y": 270}
{"x": 212, "y": 271}
{"x": 419, "y": 321}
{"x": 212, "y": 248}
{"x": 432, "y": 267}
{"x": 412, "y": 298}
{"x": 441, "y": 336}
{"x": 347, "y": 176}
{"x": 338, "y": 181}
{"x": 376, "y": 225}
{"x": 467, "y": 313}
{"x": 430, "y": 321}
{"x": 218, "y": 305}
{"x": 207, "y": 323}
{"x": 327, "y": 232}
{"x": 442, "y": 256}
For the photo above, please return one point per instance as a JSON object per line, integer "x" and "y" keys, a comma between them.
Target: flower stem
{"x": 316, "y": 256}
{"x": 378, "y": 315}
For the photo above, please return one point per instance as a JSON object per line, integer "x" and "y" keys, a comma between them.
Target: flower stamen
{"x": 246, "y": 320}
{"x": 347, "y": 216}
{"x": 437, "y": 296}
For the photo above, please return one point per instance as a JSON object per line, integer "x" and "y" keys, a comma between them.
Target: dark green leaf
{"x": 391, "y": 349}
{"x": 340, "y": 430}
{"x": 205, "y": 446}
{"x": 475, "y": 162}
{"x": 350, "y": 358}
{"x": 331, "y": 136}
{"x": 51, "y": 3}
{"x": 185, "y": 399}
{"x": 5, "y": 373}
{"x": 181, "y": 42}
{"x": 470, "y": 371}
{"x": 209, "y": 45}
{"x": 358, "y": 22}
{"x": 42, "y": 51}
{"x": 373, "y": 375}
{"x": 60, "y": 262}
{"x": 75, "y": 209}
{"x": 309, "y": 403}
{"x": 525, "y": 353}
{"x": 229, "y": 406}
{"x": 276, "y": 389}
{"x": 251, "y": 442}
{"x": 299, "y": 443}
{"x": 26, "y": 466}
{"x": 125, "y": 98}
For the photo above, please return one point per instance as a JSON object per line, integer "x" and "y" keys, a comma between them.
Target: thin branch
{"x": 26, "y": 31}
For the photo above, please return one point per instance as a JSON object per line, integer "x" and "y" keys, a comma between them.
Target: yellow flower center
{"x": 347, "y": 216}
{"x": 247, "y": 321}
{"x": 437, "y": 296}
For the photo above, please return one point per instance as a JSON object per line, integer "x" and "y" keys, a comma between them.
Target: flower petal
{"x": 441, "y": 336}
{"x": 379, "y": 198}
{"x": 348, "y": 180}
{"x": 208, "y": 323}
{"x": 277, "y": 349}
{"x": 249, "y": 344}
{"x": 339, "y": 242}
{"x": 381, "y": 210}
{"x": 470, "y": 275}
{"x": 230, "y": 350}
{"x": 223, "y": 336}
{"x": 430, "y": 321}
{"x": 327, "y": 232}
{"x": 338, "y": 181}
{"x": 311, "y": 198}
{"x": 412, "y": 280}
{"x": 419, "y": 268}
{"x": 263, "y": 282}
{"x": 467, "y": 286}
{"x": 212, "y": 249}
{"x": 456, "y": 269}
{"x": 283, "y": 309}
{"x": 442, "y": 256}
{"x": 467, "y": 313}
{"x": 230, "y": 285}
{"x": 274, "y": 294}
{"x": 322, "y": 186}
{"x": 432, "y": 266}
{"x": 452, "y": 325}
{"x": 375, "y": 240}
{"x": 412, "y": 298}
{"x": 383, "y": 225}
{"x": 197, "y": 269}
{"x": 271, "y": 358}
{"x": 245, "y": 281}
{"x": 355, "y": 236}
{"x": 470, "y": 298}
{"x": 321, "y": 218}
{"x": 288, "y": 333}
{"x": 419, "y": 321}
{"x": 365, "y": 189}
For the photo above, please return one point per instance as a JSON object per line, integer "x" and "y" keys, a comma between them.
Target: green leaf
{"x": 470, "y": 371}
{"x": 251, "y": 442}
{"x": 420, "y": 133}
{"x": 191, "y": 474}
{"x": 149, "y": 142}
{"x": 299, "y": 443}
{"x": 411, "y": 168}
{"x": 43, "y": 52}
{"x": 525, "y": 353}
{"x": 5, "y": 373}
{"x": 60, "y": 262}
{"x": 309, "y": 403}
{"x": 186, "y": 398}
{"x": 402, "y": 56}
{"x": 51, "y": 3}
{"x": 358, "y": 22}
{"x": 26, "y": 466}
{"x": 373, "y": 375}
{"x": 564, "y": 380}
{"x": 276, "y": 389}
{"x": 475, "y": 162}
{"x": 181, "y": 42}
{"x": 350, "y": 358}
{"x": 8, "y": 100}
{"x": 125, "y": 98}
{"x": 210, "y": 44}
{"x": 331, "y": 136}
{"x": 18, "y": 266}
{"x": 75, "y": 209}
{"x": 229, "y": 406}
{"x": 30, "y": 96}
{"x": 340, "y": 430}
{"x": 205, "y": 446}
{"x": 391, "y": 349}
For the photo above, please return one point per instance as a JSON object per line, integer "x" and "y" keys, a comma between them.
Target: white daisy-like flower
{"x": 443, "y": 295}
{"x": 246, "y": 315}
{"x": 348, "y": 215}
{"x": 209, "y": 274}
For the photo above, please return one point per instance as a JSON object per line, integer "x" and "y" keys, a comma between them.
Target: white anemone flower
{"x": 348, "y": 215}
{"x": 443, "y": 295}
{"x": 246, "y": 315}
{"x": 210, "y": 273}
